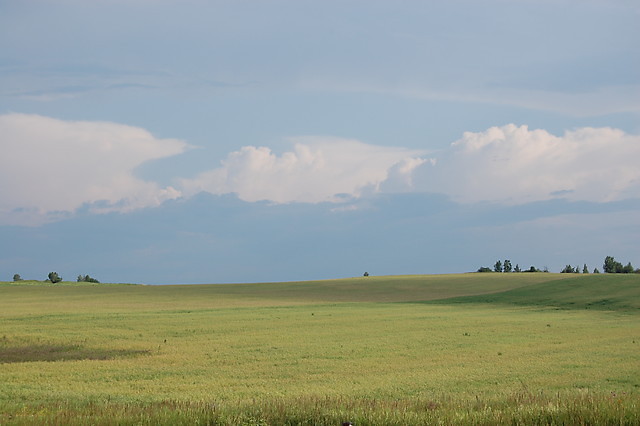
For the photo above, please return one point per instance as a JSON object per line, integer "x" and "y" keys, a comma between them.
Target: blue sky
{"x": 161, "y": 141}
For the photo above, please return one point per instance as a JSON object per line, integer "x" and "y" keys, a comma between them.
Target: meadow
{"x": 527, "y": 348}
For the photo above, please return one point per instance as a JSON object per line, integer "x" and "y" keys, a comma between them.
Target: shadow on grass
{"x": 53, "y": 352}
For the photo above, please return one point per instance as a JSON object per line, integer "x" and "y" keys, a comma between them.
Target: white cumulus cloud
{"x": 49, "y": 167}
{"x": 513, "y": 164}
{"x": 317, "y": 169}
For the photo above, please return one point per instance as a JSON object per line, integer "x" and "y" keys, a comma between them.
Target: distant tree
{"x": 533, "y": 269}
{"x": 517, "y": 268}
{"x": 596, "y": 271}
{"x": 507, "y": 265}
{"x": 484, "y": 269}
{"x": 17, "y": 277}
{"x": 54, "y": 277}
{"x": 497, "y": 267}
{"x": 628, "y": 269}
{"x": 567, "y": 270}
{"x": 366, "y": 274}
{"x": 546, "y": 269}
{"x": 585, "y": 270}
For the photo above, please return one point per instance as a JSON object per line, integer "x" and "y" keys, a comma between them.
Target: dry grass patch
{"x": 50, "y": 352}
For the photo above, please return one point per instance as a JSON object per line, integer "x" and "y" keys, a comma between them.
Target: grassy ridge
{"x": 324, "y": 352}
{"x": 615, "y": 292}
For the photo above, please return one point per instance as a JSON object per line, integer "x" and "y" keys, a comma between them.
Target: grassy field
{"x": 529, "y": 348}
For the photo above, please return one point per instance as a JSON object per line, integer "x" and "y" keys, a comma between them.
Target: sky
{"x": 166, "y": 141}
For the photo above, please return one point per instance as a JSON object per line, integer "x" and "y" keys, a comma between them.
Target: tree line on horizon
{"x": 610, "y": 266}
{"x": 54, "y": 277}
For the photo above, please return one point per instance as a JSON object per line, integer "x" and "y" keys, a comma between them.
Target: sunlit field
{"x": 450, "y": 349}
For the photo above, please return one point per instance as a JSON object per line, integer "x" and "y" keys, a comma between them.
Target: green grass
{"x": 449, "y": 349}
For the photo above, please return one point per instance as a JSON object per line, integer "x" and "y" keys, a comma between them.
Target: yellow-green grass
{"x": 27, "y": 296}
{"x": 324, "y": 352}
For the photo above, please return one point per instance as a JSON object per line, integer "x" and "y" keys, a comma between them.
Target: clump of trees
{"x": 611, "y": 266}
{"x": 17, "y": 277}
{"x": 86, "y": 279}
{"x": 570, "y": 270}
{"x": 507, "y": 266}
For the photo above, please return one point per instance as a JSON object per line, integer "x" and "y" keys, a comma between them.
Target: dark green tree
{"x": 484, "y": 269}
{"x": 54, "y": 277}
{"x": 585, "y": 270}
{"x": 517, "y": 268}
{"x": 366, "y": 274}
{"x": 497, "y": 267}
{"x": 17, "y": 277}
{"x": 567, "y": 270}
{"x": 596, "y": 271}
{"x": 507, "y": 265}
{"x": 611, "y": 266}
{"x": 628, "y": 269}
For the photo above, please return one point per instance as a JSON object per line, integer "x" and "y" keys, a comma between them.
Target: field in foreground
{"x": 449, "y": 349}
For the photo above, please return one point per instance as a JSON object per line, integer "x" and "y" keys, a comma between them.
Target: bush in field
{"x": 484, "y": 269}
{"x": 498, "y": 266}
{"x": 17, "y": 277}
{"x": 54, "y": 277}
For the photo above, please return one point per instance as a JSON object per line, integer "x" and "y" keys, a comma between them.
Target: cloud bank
{"x": 318, "y": 169}
{"x": 509, "y": 164}
{"x": 514, "y": 165}
{"x": 49, "y": 168}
